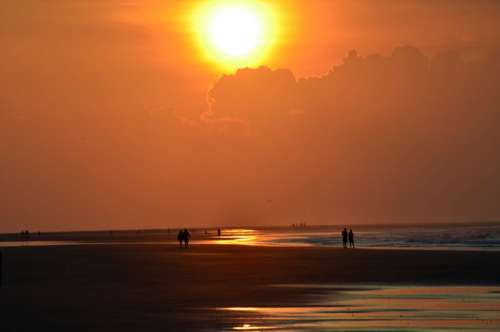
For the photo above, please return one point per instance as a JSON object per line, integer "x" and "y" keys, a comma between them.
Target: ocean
{"x": 463, "y": 236}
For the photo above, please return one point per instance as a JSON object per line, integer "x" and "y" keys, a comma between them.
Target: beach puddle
{"x": 379, "y": 308}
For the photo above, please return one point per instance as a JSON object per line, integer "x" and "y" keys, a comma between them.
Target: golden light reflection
{"x": 382, "y": 309}
{"x": 235, "y": 34}
{"x": 249, "y": 327}
{"x": 238, "y": 236}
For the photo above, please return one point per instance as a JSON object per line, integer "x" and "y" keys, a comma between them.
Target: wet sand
{"x": 152, "y": 287}
{"x": 381, "y": 308}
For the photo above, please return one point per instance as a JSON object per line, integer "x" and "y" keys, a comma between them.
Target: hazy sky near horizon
{"x": 110, "y": 116}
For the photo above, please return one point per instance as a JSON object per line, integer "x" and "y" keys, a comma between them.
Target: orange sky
{"x": 86, "y": 83}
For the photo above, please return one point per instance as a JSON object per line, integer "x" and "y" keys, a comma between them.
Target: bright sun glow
{"x": 235, "y": 33}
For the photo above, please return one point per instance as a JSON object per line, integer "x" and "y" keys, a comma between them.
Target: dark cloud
{"x": 259, "y": 97}
{"x": 398, "y": 137}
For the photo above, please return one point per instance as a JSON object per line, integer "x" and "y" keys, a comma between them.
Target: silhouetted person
{"x": 180, "y": 238}
{"x": 351, "y": 239}
{"x": 218, "y": 232}
{"x": 344, "y": 237}
{"x": 186, "y": 236}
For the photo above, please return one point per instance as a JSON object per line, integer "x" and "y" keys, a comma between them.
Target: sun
{"x": 235, "y": 33}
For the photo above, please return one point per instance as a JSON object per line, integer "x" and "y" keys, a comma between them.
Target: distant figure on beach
{"x": 351, "y": 238}
{"x": 186, "y": 236}
{"x": 218, "y": 232}
{"x": 344, "y": 237}
{"x": 180, "y": 238}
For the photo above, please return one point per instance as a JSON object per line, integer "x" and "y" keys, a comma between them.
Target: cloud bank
{"x": 402, "y": 137}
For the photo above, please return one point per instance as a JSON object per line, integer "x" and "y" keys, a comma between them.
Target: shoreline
{"x": 471, "y": 238}
{"x": 213, "y": 242}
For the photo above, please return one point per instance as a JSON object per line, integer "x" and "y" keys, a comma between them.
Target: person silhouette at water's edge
{"x": 344, "y": 238}
{"x": 180, "y": 238}
{"x": 186, "y": 236}
{"x": 351, "y": 238}
{"x": 183, "y": 238}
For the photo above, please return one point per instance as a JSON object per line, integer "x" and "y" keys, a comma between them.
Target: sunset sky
{"x": 114, "y": 114}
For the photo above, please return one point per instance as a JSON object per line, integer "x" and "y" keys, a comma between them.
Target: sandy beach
{"x": 154, "y": 287}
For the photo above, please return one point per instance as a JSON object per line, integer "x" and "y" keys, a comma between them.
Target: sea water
{"x": 459, "y": 237}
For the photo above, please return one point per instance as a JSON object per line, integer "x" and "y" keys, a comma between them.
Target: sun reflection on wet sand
{"x": 253, "y": 237}
{"x": 238, "y": 236}
{"x": 382, "y": 309}
{"x": 249, "y": 327}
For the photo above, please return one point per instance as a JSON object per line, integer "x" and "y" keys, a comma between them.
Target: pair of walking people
{"x": 346, "y": 235}
{"x": 183, "y": 238}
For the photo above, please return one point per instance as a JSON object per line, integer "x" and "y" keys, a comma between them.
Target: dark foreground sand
{"x": 151, "y": 287}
